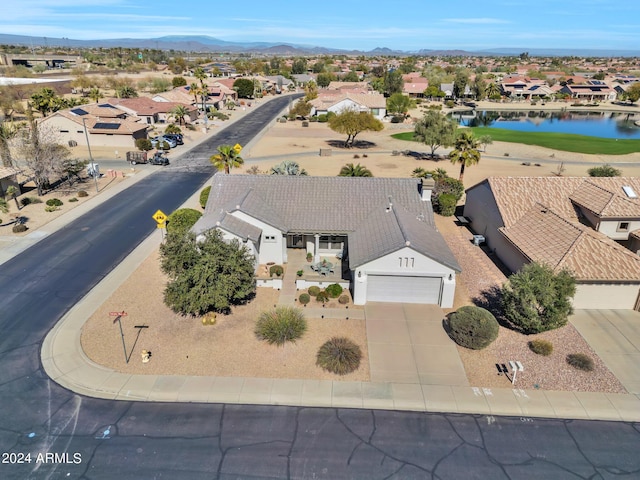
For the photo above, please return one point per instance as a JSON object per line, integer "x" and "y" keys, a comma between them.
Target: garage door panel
{"x": 405, "y": 289}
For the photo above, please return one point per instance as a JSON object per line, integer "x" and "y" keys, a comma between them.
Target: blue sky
{"x": 411, "y": 25}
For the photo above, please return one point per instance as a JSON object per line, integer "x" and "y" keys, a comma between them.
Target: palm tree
{"x": 465, "y": 152}
{"x": 195, "y": 90}
{"x": 179, "y": 112}
{"x": 95, "y": 94}
{"x": 492, "y": 90}
{"x": 12, "y": 192}
{"x": 200, "y": 74}
{"x": 7, "y": 132}
{"x": 351, "y": 170}
{"x": 226, "y": 158}
{"x": 288, "y": 167}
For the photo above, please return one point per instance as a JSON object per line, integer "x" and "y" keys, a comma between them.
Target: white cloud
{"x": 477, "y": 21}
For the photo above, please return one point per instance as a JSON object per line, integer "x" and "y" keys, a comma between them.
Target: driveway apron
{"x": 407, "y": 344}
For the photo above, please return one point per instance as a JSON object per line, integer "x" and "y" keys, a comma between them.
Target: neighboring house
{"x": 414, "y": 85}
{"x": 447, "y": 88}
{"x": 349, "y": 87}
{"x": 589, "y": 225}
{"x": 148, "y": 111}
{"x": 525, "y": 88}
{"x": 8, "y": 178}
{"x": 103, "y": 131}
{"x": 592, "y": 90}
{"x": 178, "y": 95}
{"x": 302, "y": 79}
{"x": 337, "y": 102}
{"x": 383, "y": 229}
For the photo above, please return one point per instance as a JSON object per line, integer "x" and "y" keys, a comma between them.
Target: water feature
{"x": 594, "y": 124}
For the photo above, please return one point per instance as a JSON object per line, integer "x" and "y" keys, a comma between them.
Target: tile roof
{"x": 545, "y": 237}
{"x": 146, "y": 106}
{"x": 240, "y": 228}
{"x": 370, "y": 100}
{"x": 329, "y": 205}
{"x": 125, "y": 127}
{"x": 606, "y": 198}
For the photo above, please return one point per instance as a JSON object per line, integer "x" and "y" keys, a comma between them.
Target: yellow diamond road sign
{"x": 159, "y": 216}
{"x": 237, "y": 147}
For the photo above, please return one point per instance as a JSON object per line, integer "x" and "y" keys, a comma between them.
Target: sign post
{"x": 161, "y": 219}
{"x": 118, "y": 319}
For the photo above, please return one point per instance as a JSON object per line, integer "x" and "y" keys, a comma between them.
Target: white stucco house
{"x": 382, "y": 228}
{"x": 590, "y": 226}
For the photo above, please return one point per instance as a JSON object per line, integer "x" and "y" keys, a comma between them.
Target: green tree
{"x": 352, "y": 122}
{"x": 179, "y": 112}
{"x": 399, "y": 104}
{"x": 479, "y": 88}
{"x": 200, "y": 74}
{"x": 493, "y": 91}
{"x": 299, "y": 66}
{"x": 180, "y": 221}
{"x": 288, "y": 167}
{"x": 194, "y": 90}
{"x": 435, "y": 130}
{"x": 633, "y": 92}
{"x": 126, "y": 91}
{"x": 535, "y": 299}
{"x": 459, "y": 83}
{"x": 433, "y": 91}
{"x": 244, "y": 87}
{"x": 324, "y": 79}
{"x": 178, "y": 81}
{"x": 302, "y": 108}
{"x": 311, "y": 91}
{"x": 465, "y": 152}
{"x": 206, "y": 275}
{"x": 604, "y": 171}
{"x": 143, "y": 144}
{"x": 485, "y": 140}
{"x": 226, "y": 158}
{"x": 12, "y": 192}
{"x": 351, "y": 170}
{"x": 393, "y": 82}
{"x": 350, "y": 76}
{"x": 95, "y": 94}
{"x": 42, "y": 100}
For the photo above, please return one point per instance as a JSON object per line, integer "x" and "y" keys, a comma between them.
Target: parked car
{"x": 176, "y": 137}
{"x": 157, "y": 141}
{"x": 159, "y": 159}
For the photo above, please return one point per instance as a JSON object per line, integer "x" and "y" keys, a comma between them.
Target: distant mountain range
{"x": 206, "y": 44}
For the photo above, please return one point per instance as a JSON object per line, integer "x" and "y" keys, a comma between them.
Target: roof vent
{"x": 407, "y": 243}
{"x": 217, "y": 223}
{"x": 629, "y": 192}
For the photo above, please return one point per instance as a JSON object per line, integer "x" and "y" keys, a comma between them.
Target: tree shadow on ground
{"x": 358, "y": 144}
{"x": 491, "y": 299}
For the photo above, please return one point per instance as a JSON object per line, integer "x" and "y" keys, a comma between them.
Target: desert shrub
{"x": 217, "y": 114}
{"x": 537, "y": 299}
{"x": 580, "y": 361}
{"x": 541, "y": 347}
{"x": 314, "y": 290}
{"x": 25, "y": 201}
{"x": 334, "y": 290}
{"x": 339, "y": 355}
{"x": 54, "y": 202}
{"x": 300, "y": 273}
{"x": 50, "y": 208}
{"x": 144, "y": 144}
{"x": 35, "y": 200}
{"x": 82, "y": 193}
{"x": 450, "y": 104}
{"x": 73, "y": 200}
{"x": 276, "y": 270}
{"x": 322, "y": 118}
{"x": 446, "y": 184}
{"x": 343, "y": 300}
{"x": 209, "y": 318}
{"x": 204, "y": 196}
{"x": 19, "y": 228}
{"x": 473, "y": 327}
{"x": 446, "y": 204}
{"x": 280, "y": 325}
{"x": 397, "y": 119}
{"x": 182, "y": 220}
{"x": 304, "y": 298}
{"x": 322, "y": 296}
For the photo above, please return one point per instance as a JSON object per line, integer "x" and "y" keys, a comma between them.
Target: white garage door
{"x": 389, "y": 288}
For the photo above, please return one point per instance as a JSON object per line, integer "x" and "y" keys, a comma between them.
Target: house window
{"x": 623, "y": 227}
{"x": 375, "y": 111}
{"x": 270, "y": 238}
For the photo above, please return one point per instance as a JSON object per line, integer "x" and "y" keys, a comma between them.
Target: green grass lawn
{"x": 556, "y": 141}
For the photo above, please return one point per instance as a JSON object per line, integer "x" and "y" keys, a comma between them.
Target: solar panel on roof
{"x": 107, "y": 126}
{"x": 79, "y": 111}
{"x": 105, "y": 105}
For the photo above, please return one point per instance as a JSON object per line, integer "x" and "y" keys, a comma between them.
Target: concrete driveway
{"x": 407, "y": 344}
{"x": 615, "y": 337}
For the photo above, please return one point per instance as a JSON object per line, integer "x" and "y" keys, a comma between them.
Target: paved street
{"x": 138, "y": 440}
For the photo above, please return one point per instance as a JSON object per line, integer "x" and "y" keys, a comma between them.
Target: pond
{"x": 594, "y": 124}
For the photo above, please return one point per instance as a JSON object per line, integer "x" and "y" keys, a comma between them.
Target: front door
{"x": 295, "y": 241}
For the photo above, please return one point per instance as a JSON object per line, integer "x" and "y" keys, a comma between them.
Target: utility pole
{"x": 93, "y": 168}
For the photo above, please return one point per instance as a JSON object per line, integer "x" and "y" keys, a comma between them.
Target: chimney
{"x": 425, "y": 188}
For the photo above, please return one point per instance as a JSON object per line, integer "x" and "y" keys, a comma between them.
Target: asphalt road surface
{"x": 47, "y": 432}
